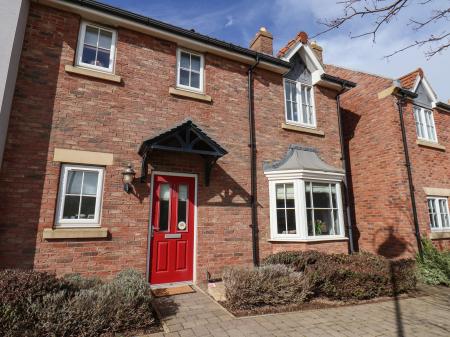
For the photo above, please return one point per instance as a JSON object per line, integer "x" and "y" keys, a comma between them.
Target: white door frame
{"x": 149, "y": 229}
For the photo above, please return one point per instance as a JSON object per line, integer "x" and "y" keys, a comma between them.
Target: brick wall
{"x": 383, "y": 213}
{"x": 55, "y": 109}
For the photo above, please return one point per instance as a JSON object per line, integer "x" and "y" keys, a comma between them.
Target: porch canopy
{"x": 187, "y": 138}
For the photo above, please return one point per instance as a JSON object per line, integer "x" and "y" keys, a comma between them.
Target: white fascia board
{"x": 304, "y": 174}
{"x": 114, "y": 21}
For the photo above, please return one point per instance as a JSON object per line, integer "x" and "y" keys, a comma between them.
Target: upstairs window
{"x": 438, "y": 212}
{"x": 190, "y": 70}
{"x": 80, "y": 196}
{"x": 425, "y": 124}
{"x": 96, "y": 47}
{"x": 299, "y": 103}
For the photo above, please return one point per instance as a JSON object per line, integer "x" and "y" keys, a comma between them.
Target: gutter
{"x": 345, "y": 86}
{"x": 401, "y": 100}
{"x": 252, "y": 145}
{"x": 93, "y": 10}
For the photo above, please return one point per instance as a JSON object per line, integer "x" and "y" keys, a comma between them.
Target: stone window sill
{"x": 190, "y": 94}
{"x": 302, "y": 129}
{"x": 275, "y": 240}
{"x": 92, "y": 73}
{"x": 430, "y": 144}
{"x": 74, "y": 233}
{"x": 440, "y": 235}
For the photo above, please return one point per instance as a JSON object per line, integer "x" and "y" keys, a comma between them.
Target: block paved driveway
{"x": 198, "y": 315}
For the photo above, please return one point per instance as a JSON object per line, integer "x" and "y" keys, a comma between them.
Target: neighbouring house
{"x": 13, "y": 18}
{"x": 236, "y": 153}
{"x": 397, "y": 197}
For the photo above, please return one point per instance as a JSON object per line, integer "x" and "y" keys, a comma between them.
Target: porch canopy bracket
{"x": 186, "y": 138}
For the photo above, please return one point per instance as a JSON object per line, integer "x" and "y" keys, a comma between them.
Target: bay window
{"x": 303, "y": 209}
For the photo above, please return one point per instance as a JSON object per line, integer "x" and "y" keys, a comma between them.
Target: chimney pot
{"x": 318, "y": 50}
{"x": 262, "y": 42}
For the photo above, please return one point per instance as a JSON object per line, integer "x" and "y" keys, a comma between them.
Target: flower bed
{"x": 312, "y": 279}
{"x": 39, "y": 304}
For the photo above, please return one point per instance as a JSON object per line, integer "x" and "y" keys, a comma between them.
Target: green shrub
{"x": 272, "y": 285}
{"x": 85, "y": 307}
{"x": 434, "y": 269}
{"x": 350, "y": 277}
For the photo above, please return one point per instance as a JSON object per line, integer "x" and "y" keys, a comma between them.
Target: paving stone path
{"x": 198, "y": 315}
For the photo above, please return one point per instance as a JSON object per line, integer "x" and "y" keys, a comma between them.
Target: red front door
{"x": 172, "y": 246}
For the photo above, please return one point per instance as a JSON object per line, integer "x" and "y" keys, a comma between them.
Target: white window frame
{"x": 300, "y": 208}
{"x": 80, "y": 45}
{"x": 202, "y": 70}
{"x": 438, "y": 212}
{"x": 420, "y": 120}
{"x": 95, "y": 222}
{"x": 298, "y": 91}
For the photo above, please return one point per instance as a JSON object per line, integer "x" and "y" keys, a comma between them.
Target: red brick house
{"x": 237, "y": 153}
{"x": 400, "y": 187}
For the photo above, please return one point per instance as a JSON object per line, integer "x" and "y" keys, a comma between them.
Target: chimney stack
{"x": 318, "y": 50}
{"x": 262, "y": 42}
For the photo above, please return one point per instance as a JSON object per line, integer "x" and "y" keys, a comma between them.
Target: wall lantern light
{"x": 127, "y": 178}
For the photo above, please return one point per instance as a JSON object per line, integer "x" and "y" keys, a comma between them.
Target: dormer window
{"x": 96, "y": 47}
{"x": 425, "y": 127}
{"x": 299, "y": 103}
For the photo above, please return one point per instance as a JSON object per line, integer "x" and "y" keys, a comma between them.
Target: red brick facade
{"x": 53, "y": 108}
{"x": 383, "y": 212}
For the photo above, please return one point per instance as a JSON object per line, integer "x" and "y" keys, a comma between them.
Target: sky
{"x": 237, "y": 21}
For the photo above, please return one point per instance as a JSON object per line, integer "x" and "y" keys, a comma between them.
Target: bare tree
{"x": 382, "y": 12}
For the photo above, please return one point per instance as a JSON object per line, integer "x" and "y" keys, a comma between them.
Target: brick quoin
{"x": 383, "y": 211}
{"x": 55, "y": 109}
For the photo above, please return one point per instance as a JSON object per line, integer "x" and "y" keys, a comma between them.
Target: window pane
{"x": 88, "y": 55}
{"x": 323, "y": 223}
{"x": 321, "y": 195}
{"x": 280, "y": 195}
{"x": 184, "y": 77}
{"x": 289, "y": 111}
{"x": 164, "y": 199}
{"x": 308, "y": 194}
{"x": 294, "y": 112}
{"x": 432, "y": 213}
{"x": 333, "y": 195}
{"x": 287, "y": 90}
{"x": 103, "y": 58}
{"x": 91, "y": 36}
{"x": 71, "y": 206}
{"x": 105, "y": 39}
{"x": 185, "y": 60}
{"x": 310, "y": 222}
{"x": 281, "y": 221}
{"x": 291, "y": 221}
{"x": 195, "y": 63}
{"x": 182, "y": 203}
{"x": 337, "y": 228}
{"x": 73, "y": 185}
{"x": 290, "y": 196}
{"x": 443, "y": 210}
{"x": 293, "y": 92}
{"x": 90, "y": 183}
{"x": 87, "y": 208}
{"x": 195, "y": 80}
